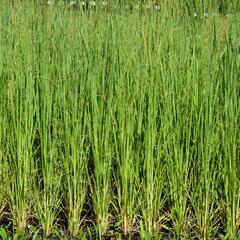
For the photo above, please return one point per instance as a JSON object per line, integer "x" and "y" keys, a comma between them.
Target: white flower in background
{"x": 205, "y": 14}
{"x": 104, "y": 3}
{"x": 195, "y": 14}
{"x": 157, "y": 6}
{"x": 83, "y": 3}
{"x": 93, "y": 3}
{"x": 147, "y": 6}
{"x": 49, "y": 2}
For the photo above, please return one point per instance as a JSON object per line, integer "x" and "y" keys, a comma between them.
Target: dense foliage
{"x": 120, "y": 122}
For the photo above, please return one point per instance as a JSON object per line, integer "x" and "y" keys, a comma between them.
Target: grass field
{"x": 120, "y": 122}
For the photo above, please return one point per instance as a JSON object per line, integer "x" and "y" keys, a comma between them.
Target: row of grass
{"x": 189, "y": 6}
{"x": 119, "y": 122}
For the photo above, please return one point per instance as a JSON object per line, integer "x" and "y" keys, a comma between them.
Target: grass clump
{"x": 118, "y": 123}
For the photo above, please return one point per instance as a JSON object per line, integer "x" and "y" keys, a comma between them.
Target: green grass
{"x": 117, "y": 122}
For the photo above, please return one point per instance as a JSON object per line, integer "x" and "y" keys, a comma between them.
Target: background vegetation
{"x": 120, "y": 122}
